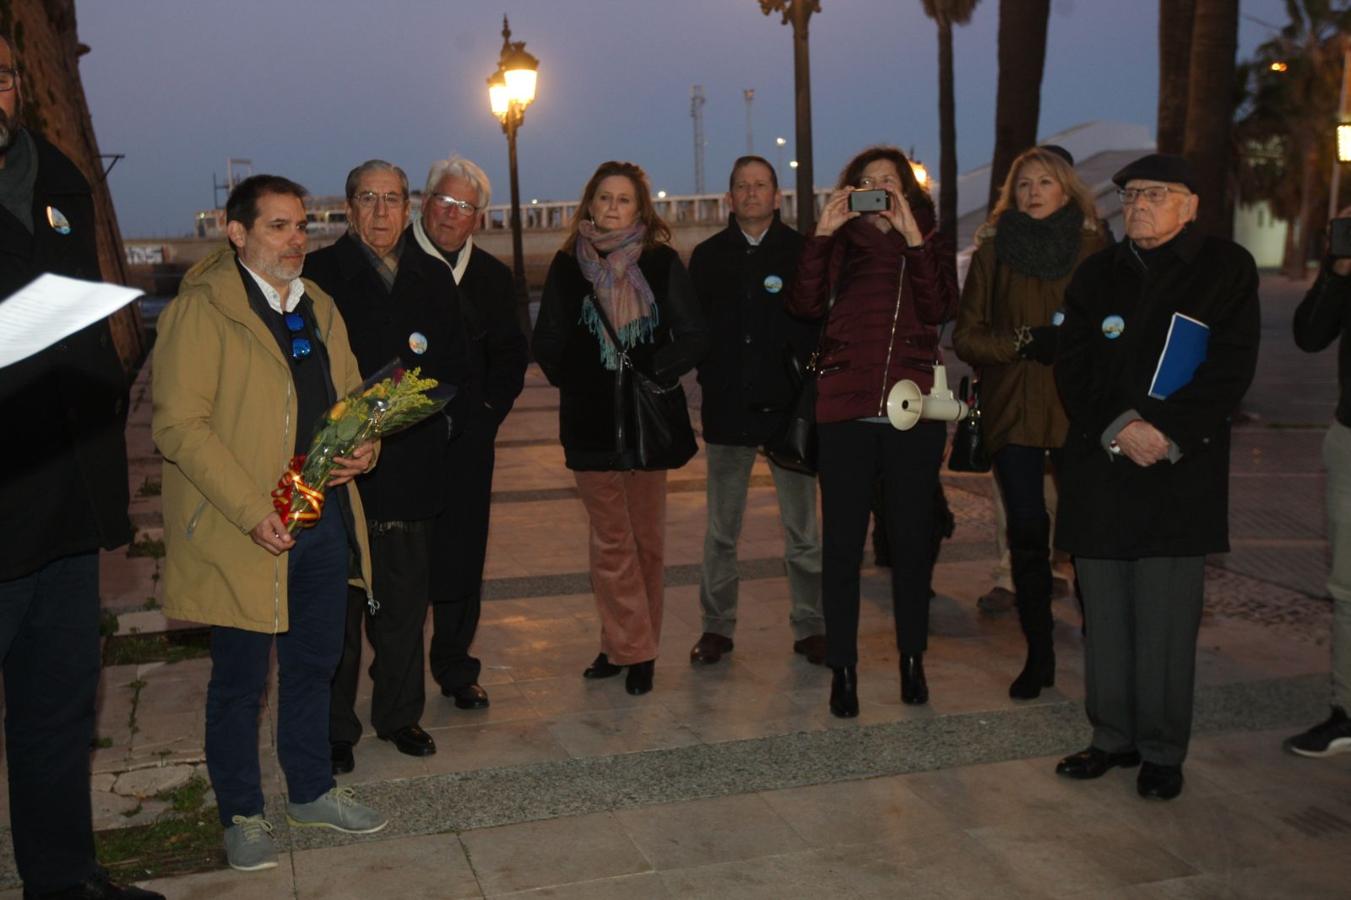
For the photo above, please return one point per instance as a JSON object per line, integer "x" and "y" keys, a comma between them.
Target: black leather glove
{"x": 1041, "y": 348}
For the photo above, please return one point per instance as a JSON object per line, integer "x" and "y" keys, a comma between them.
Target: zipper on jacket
{"x": 891, "y": 341}
{"x": 196, "y": 517}
{"x": 276, "y": 563}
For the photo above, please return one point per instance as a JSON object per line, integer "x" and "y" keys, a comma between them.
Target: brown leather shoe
{"x": 813, "y": 646}
{"x": 709, "y": 648}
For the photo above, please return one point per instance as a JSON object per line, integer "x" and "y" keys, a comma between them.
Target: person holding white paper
{"x": 1144, "y": 480}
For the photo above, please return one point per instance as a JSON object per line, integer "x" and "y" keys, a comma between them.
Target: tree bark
{"x": 1175, "y": 40}
{"x": 1022, "y": 58}
{"x": 802, "y": 85}
{"x": 947, "y": 133}
{"x": 1210, "y": 111}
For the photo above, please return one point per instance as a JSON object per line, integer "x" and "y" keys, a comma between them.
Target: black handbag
{"x": 794, "y": 446}
{"x": 662, "y": 435}
{"x": 968, "y": 446}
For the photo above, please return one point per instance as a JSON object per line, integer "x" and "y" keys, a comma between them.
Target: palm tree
{"x": 797, "y": 13}
{"x": 1175, "y": 43}
{"x": 1022, "y": 57}
{"x": 947, "y": 13}
{"x": 1211, "y": 100}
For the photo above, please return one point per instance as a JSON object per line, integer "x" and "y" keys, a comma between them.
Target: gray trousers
{"x": 1337, "y": 459}
{"x": 729, "y": 476}
{"x": 1142, "y": 617}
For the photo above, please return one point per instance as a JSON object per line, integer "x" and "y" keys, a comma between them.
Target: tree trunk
{"x": 1022, "y": 57}
{"x": 1210, "y": 111}
{"x": 1294, "y": 264}
{"x": 947, "y": 133}
{"x": 1175, "y": 41}
{"x": 802, "y": 84}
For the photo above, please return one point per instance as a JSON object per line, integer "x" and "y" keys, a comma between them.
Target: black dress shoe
{"x": 97, "y": 887}
{"x": 1159, "y": 782}
{"x": 914, "y": 686}
{"x": 467, "y": 696}
{"x": 709, "y": 648}
{"x": 813, "y": 646}
{"x": 1094, "y": 763}
{"x": 844, "y": 692}
{"x": 601, "y": 667}
{"x": 639, "y": 679}
{"x": 343, "y": 761}
{"x": 411, "y": 740}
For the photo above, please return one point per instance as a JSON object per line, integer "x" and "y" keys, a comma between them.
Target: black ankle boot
{"x": 1038, "y": 672}
{"x": 844, "y": 692}
{"x": 914, "y": 686}
{"x": 639, "y": 679}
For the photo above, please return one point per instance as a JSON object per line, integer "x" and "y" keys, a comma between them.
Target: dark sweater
{"x": 1323, "y": 316}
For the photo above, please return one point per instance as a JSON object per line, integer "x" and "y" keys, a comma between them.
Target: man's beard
{"x": 9, "y": 129}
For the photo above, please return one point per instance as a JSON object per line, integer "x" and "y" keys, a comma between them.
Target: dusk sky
{"x": 309, "y": 88}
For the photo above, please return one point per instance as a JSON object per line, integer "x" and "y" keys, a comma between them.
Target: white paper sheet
{"x": 52, "y": 307}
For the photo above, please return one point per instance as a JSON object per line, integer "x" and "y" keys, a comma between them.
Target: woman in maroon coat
{"x": 884, "y": 281}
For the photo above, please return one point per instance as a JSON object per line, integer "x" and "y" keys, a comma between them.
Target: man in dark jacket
{"x": 63, "y": 495}
{"x": 739, "y": 277}
{"x": 1144, "y": 484}
{"x": 398, "y": 304}
{"x": 452, "y": 209}
{"x": 1324, "y": 316}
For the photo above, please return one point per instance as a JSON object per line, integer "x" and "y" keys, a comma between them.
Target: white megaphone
{"x": 906, "y": 405}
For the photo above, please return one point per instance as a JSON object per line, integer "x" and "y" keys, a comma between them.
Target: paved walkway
{"x": 734, "y": 781}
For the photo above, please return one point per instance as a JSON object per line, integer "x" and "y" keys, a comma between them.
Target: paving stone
{"x": 149, "y": 782}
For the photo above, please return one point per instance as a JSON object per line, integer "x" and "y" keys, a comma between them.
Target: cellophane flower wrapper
{"x": 391, "y": 400}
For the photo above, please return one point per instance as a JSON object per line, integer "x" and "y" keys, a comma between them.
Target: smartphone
{"x": 1339, "y": 237}
{"x": 869, "y": 201}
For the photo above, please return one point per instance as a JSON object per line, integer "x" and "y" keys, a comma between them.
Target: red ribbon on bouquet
{"x": 290, "y": 484}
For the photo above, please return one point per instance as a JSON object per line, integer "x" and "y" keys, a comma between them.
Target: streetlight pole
{"x": 510, "y": 90}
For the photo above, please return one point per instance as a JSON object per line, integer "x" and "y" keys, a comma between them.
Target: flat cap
{"x": 1158, "y": 167}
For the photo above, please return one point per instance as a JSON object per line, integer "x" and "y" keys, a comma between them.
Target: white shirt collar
{"x": 755, "y": 241}
{"x": 273, "y": 296}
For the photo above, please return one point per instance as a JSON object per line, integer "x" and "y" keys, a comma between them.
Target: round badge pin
{"x": 1112, "y": 326}
{"x": 417, "y": 342}
{"x": 57, "y": 219}
{"x": 1058, "y": 317}
{"x": 773, "y": 284}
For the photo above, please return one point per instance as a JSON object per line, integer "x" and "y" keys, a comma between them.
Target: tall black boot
{"x": 1030, "y": 555}
{"x": 844, "y": 692}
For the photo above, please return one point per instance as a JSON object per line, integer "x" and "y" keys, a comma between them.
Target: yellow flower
{"x": 338, "y": 409}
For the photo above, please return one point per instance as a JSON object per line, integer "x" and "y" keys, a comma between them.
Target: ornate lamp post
{"x": 796, "y": 13}
{"x": 510, "y": 90}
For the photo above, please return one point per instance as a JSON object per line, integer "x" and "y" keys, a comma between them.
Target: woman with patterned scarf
{"x": 1043, "y": 226}
{"x": 617, "y": 268}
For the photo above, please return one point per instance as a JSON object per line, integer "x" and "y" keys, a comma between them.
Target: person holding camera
{"x": 1324, "y": 316}
{"x": 883, "y": 278}
{"x": 1043, "y": 225}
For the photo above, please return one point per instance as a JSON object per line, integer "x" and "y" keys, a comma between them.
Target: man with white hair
{"x": 452, "y": 210}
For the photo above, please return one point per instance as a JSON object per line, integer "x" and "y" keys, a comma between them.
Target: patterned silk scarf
{"x": 609, "y": 260}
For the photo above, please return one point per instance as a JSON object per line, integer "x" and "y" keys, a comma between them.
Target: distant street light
{"x": 778, "y": 152}
{"x": 921, "y": 173}
{"x": 1343, "y": 144}
{"x": 510, "y": 90}
{"x": 1279, "y": 66}
{"x": 792, "y": 164}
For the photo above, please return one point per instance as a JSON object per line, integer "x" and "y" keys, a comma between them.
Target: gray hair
{"x": 374, "y": 165}
{"x": 460, "y": 167}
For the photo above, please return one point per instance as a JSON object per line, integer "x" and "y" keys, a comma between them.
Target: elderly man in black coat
{"x": 1158, "y": 346}
{"x": 398, "y": 303}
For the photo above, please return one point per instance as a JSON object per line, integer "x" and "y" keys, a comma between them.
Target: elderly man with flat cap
{"x": 1158, "y": 346}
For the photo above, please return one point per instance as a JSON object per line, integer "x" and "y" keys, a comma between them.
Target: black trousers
{"x": 461, "y": 543}
{"x": 850, "y": 456}
{"x": 49, "y": 641}
{"x": 401, "y": 571}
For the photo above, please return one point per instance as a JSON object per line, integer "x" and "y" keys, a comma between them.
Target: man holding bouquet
{"x": 248, "y": 360}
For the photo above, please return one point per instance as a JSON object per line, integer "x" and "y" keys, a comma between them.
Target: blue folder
{"x": 1183, "y": 352}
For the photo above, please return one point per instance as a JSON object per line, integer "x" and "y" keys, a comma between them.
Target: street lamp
{"x": 1344, "y": 143}
{"x": 510, "y": 90}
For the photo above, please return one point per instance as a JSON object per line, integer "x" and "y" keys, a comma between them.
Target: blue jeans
{"x": 307, "y": 657}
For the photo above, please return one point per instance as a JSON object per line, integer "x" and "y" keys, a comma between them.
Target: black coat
{"x": 498, "y": 352}
{"x": 408, "y": 483}
{"x": 1323, "y": 316}
{"x": 570, "y": 355}
{"x": 747, "y": 392}
{"x": 63, "y": 488}
{"x": 1110, "y": 507}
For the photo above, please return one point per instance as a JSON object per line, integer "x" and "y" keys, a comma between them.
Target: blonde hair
{"x": 1061, "y": 171}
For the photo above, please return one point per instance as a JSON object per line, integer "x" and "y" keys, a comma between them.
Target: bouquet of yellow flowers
{"x": 390, "y": 400}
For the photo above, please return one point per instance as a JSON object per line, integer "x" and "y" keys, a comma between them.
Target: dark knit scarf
{"x": 1040, "y": 248}
{"x": 609, "y": 260}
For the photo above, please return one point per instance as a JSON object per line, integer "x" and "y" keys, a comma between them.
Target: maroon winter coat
{"x": 881, "y": 326}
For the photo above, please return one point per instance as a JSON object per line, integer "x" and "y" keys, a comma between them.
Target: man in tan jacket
{"x": 248, "y": 359}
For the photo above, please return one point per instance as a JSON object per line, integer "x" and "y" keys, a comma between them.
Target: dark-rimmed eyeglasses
{"x": 1154, "y": 196}
{"x": 369, "y": 198}
{"x": 445, "y": 202}
{"x": 8, "y": 78}
{"x": 300, "y": 344}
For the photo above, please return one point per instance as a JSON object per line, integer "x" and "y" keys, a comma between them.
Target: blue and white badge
{"x": 773, "y": 284}
{"x": 1112, "y": 326}
{"x": 417, "y": 342}
{"x": 1058, "y": 317}
{"x": 57, "y": 219}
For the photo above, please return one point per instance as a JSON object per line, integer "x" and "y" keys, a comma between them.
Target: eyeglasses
{"x": 445, "y": 203}
{"x": 869, "y": 183}
{"x": 8, "y": 78}
{"x": 1153, "y": 195}
{"x": 300, "y": 344}
{"x": 369, "y": 198}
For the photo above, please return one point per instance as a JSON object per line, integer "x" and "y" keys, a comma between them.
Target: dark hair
{"x": 743, "y": 161}
{"x": 915, "y": 195}
{"x": 242, "y": 205}
{"x": 658, "y": 232}
{"x": 374, "y": 165}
